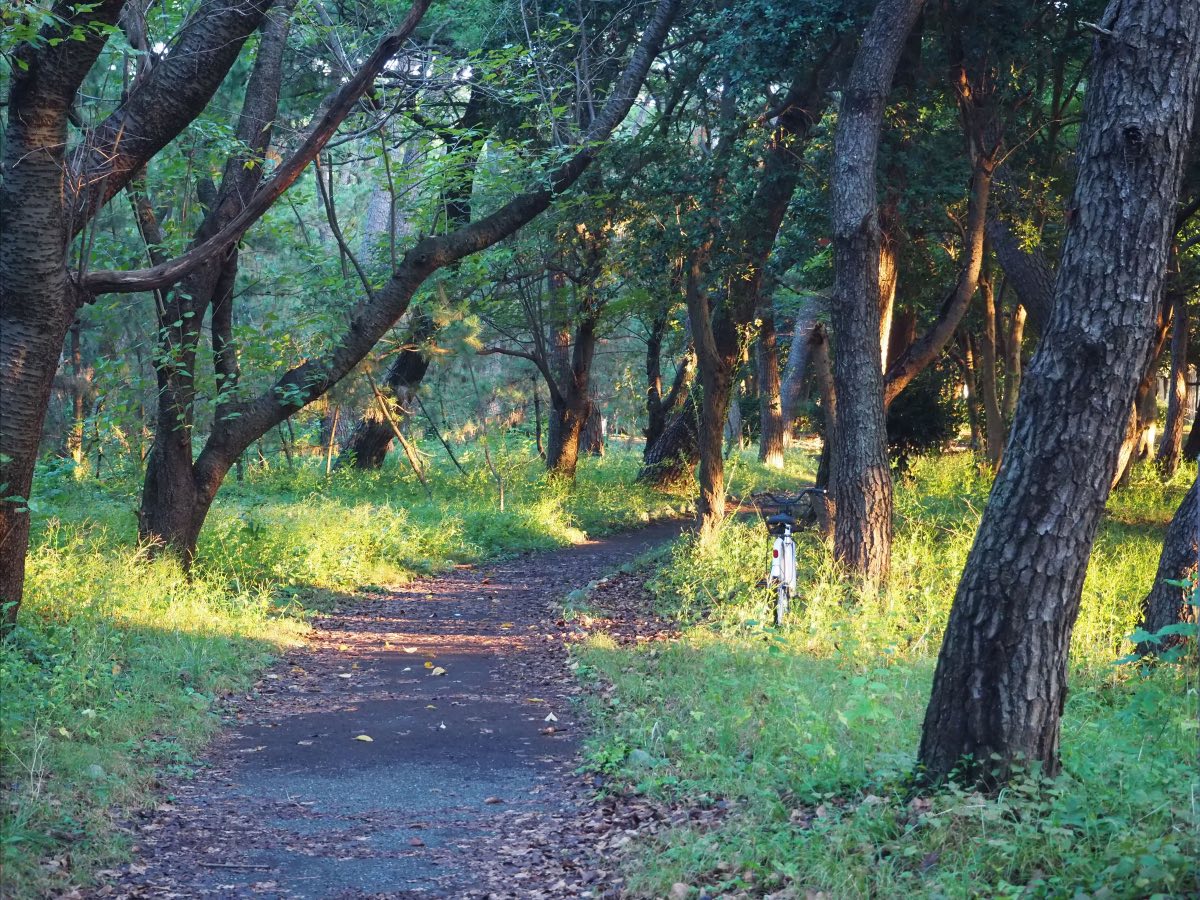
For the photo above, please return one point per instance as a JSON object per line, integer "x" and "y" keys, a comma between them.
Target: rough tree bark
{"x": 1000, "y": 682}
{"x": 860, "y": 477}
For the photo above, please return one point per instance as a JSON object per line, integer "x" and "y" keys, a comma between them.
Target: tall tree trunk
{"x": 818, "y": 342}
{"x": 889, "y": 269}
{"x": 797, "y": 364}
{"x": 1168, "y": 601}
{"x": 1000, "y": 682}
{"x": 1170, "y": 451}
{"x": 770, "y": 403}
{"x": 967, "y": 362}
{"x": 989, "y": 395}
{"x": 78, "y": 396}
{"x": 716, "y": 350}
{"x": 1013, "y": 361}
{"x": 38, "y": 300}
{"x": 861, "y": 479}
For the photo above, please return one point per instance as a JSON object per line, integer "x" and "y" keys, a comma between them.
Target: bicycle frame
{"x": 783, "y": 571}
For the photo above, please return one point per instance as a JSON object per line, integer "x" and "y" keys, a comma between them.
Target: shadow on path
{"x": 461, "y": 685}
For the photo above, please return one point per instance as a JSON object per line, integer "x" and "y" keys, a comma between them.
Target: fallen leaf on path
{"x": 428, "y": 664}
{"x": 365, "y": 737}
{"x": 344, "y": 675}
{"x": 550, "y": 718}
{"x": 409, "y": 649}
{"x": 438, "y": 670}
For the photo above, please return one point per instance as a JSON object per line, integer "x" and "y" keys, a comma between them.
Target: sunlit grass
{"x": 112, "y": 673}
{"x": 811, "y": 732}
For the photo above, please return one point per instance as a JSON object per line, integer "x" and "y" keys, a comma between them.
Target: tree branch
{"x": 338, "y": 107}
{"x": 371, "y": 318}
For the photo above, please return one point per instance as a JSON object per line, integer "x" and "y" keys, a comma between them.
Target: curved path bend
{"x": 466, "y": 786}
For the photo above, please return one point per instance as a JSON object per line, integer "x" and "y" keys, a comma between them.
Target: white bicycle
{"x": 783, "y": 550}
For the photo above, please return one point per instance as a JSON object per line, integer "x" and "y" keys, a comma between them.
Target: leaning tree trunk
{"x": 771, "y": 430}
{"x": 1169, "y": 600}
{"x": 1170, "y": 451}
{"x": 368, "y": 445}
{"x": 860, "y": 477}
{"x": 1001, "y": 678}
{"x": 670, "y": 459}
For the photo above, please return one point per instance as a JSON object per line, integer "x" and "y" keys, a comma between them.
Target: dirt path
{"x": 466, "y": 787}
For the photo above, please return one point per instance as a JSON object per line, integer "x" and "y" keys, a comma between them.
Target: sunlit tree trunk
{"x": 771, "y": 437}
{"x": 1013, "y": 361}
{"x": 1000, "y": 682}
{"x": 989, "y": 395}
{"x": 38, "y": 301}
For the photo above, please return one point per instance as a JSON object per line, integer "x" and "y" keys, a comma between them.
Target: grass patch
{"x": 113, "y": 671}
{"x": 809, "y": 733}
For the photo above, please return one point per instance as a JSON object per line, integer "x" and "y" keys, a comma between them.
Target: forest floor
{"x": 422, "y": 743}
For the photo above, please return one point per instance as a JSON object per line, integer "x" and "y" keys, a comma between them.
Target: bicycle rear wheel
{"x": 783, "y": 595}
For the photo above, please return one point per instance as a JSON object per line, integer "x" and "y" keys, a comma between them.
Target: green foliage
{"x": 808, "y": 734}
{"x": 115, "y": 665}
